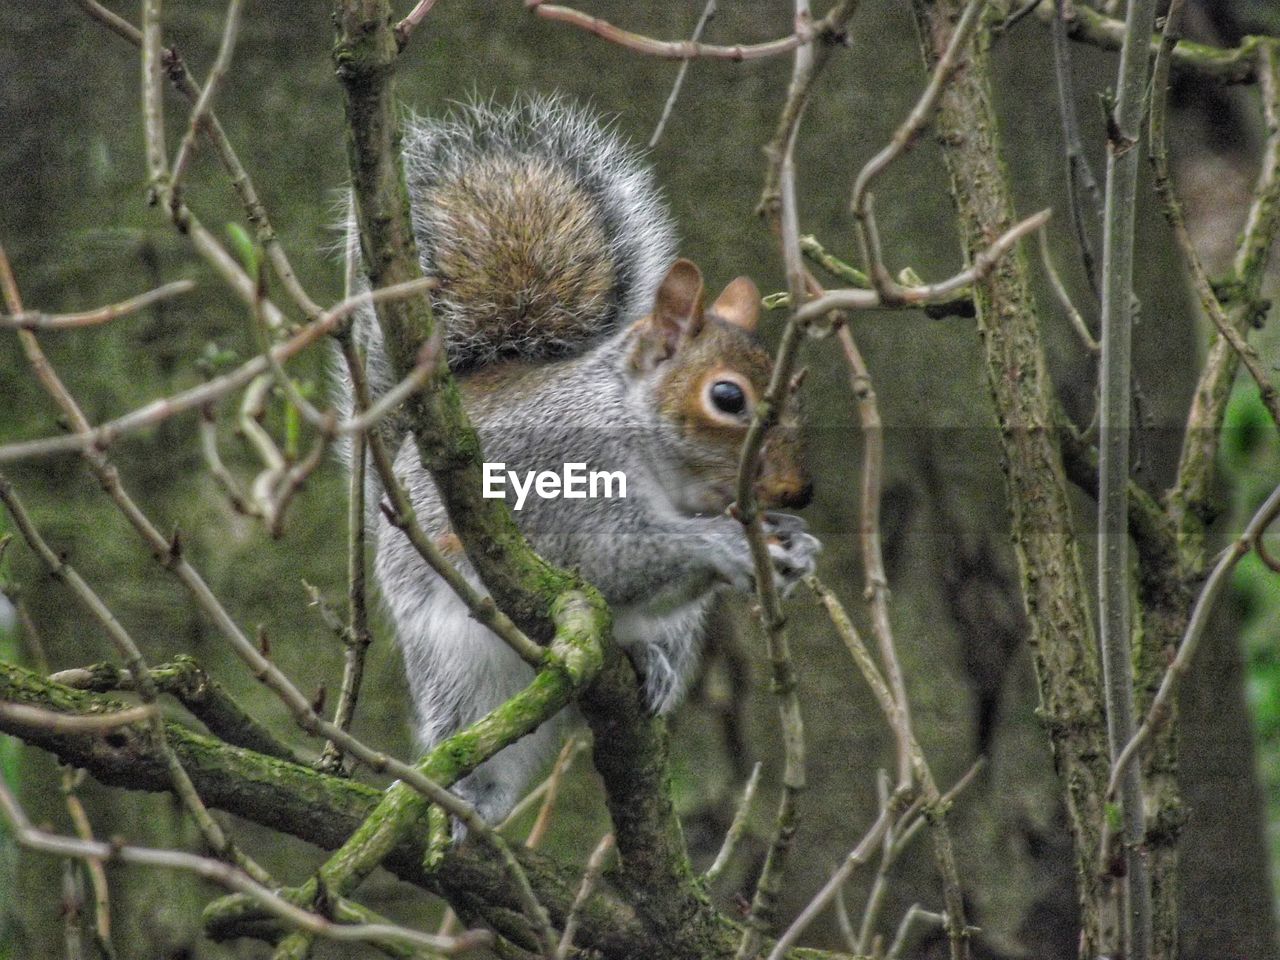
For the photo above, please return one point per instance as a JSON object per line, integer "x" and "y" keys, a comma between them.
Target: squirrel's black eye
{"x": 728, "y": 397}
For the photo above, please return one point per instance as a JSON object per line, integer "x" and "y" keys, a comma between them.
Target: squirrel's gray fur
{"x": 660, "y": 555}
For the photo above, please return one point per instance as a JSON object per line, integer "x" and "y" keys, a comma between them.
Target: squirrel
{"x": 577, "y": 338}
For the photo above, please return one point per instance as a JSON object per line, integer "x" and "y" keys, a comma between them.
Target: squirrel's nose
{"x": 799, "y": 498}
{"x": 795, "y": 493}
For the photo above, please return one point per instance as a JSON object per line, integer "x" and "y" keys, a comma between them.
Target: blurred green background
{"x": 74, "y": 221}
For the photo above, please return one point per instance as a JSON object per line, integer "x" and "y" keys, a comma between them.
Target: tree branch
{"x": 325, "y": 810}
{"x": 1053, "y": 584}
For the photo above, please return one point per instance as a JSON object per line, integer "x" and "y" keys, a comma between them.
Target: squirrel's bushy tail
{"x": 545, "y": 230}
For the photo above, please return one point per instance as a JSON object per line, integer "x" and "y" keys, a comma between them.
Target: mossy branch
{"x": 1052, "y": 579}
{"x": 1229, "y": 65}
{"x": 185, "y": 680}
{"x": 325, "y": 810}
{"x": 522, "y": 583}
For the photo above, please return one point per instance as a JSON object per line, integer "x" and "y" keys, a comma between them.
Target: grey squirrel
{"x": 577, "y": 338}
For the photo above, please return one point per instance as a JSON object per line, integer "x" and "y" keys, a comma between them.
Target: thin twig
{"x": 1114, "y": 585}
{"x": 1228, "y": 327}
{"x": 1160, "y": 710}
{"x": 875, "y": 578}
{"x": 358, "y": 635}
{"x": 1213, "y": 388}
{"x": 72, "y": 907}
{"x": 230, "y": 877}
{"x": 157, "y": 411}
{"x": 169, "y": 554}
{"x": 914, "y": 913}
{"x": 880, "y": 885}
{"x": 1082, "y": 185}
{"x": 95, "y": 723}
{"x": 1064, "y": 299}
{"x": 857, "y": 856}
{"x": 983, "y": 263}
{"x": 708, "y": 12}
{"x": 961, "y": 305}
{"x": 595, "y": 867}
{"x": 903, "y": 138}
{"x": 550, "y": 791}
{"x": 845, "y": 922}
{"x": 1226, "y": 65}
{"x": 777, "y": 394}
{"x": 181, "y": 79}
{"x": 911, "y": 760}
{"x": 1013, "y": 19}
{"x": 36, "y": 320}
{"x": 737, "y": 828}
{"x": 71, "y": 780}
{"x": 862, "y": 658}
{"x": 213, "y": 834}
{"x": 401, "y": 514}
{"x": 153, "y": 95}
{"x": 204, "y": 104}
{"x": 410, "y": 23}
{"x": 222, "y": 475}
{"x": 672, "y": 49}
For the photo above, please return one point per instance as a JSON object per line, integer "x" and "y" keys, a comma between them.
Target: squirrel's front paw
{"x": 794, "y": 551}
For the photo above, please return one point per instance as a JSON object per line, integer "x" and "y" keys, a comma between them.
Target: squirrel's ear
{"x": 739, "y": 304}
{"x": 677, "y": 315}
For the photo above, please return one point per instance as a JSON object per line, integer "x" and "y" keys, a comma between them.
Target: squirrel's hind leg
{"x": 458, "y": 673}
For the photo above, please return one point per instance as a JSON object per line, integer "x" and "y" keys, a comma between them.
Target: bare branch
{"x": 1082, "y": 186}
{"x": 152, "y": 95}
{"x": 204, "y": 104}
{"x": 71, "y": 780}
{"x": 767, "y": 413}
{"x": 403, "y": 516}
{"x": 737, "y": 828}
{"x": 34, "y": 320}
{"x": 1064, "y": 299}
{"x": 901, "y": 141}
{"x": 708, "y": 12}
{"x": 672, "y": 49}
{"x": 549, "y": 790}
{"x": 1161, "y": 704}
{"x": 233, "y": 879}
{"x": 214, "y": 835}
{"x": 410, "y": 23}
{"x": 240, "y": 501}
{"x": 1203, "y": 429}
{"x": 595, "y": 867}
{"x": 102, "y": 436}
{"x": 236, "y": 173}
{"x": 983, "y": 263}
{"x": 1229, "y": 65}
{"x": 1115, "y": 400}
{"x": 822, "y": 899}
{"x": 545, "y": 701}
{"x": 914, "y": 913}
{"x": 357, "y": 636}
{"x": 203, "y": 697}
{"x": 30, "y": 716}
